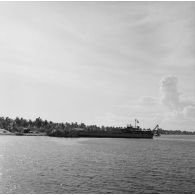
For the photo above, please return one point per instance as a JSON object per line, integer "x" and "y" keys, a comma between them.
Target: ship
{"x": 128, "y": 132}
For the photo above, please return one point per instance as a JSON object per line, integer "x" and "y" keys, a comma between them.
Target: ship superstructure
{"x": 128, "y": 132}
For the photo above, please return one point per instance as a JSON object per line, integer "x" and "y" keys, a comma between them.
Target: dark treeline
{"x": 21, "y": 125}
{"x": 175, "y": 132}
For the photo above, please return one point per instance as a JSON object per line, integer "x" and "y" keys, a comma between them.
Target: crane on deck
{"x": 156, "y": 130}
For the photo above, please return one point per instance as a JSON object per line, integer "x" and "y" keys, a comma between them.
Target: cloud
{"x": 186, "y": 101}
{"x": 169, "y": 92}
{"x": 180, "y": 106}
{"x": 153, "y": 110}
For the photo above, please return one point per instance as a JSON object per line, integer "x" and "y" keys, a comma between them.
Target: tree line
{"x": 21, "y": 125}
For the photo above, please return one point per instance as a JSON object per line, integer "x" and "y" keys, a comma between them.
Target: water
{"x": 97, "y": 165}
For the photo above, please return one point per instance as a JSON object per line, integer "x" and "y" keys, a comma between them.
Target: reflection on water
{"x": 97, "y": 165}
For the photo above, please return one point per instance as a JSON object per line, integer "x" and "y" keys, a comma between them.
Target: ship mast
{"x": 136, "y": 121}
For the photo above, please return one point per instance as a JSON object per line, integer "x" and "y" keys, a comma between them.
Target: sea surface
{"x": 31, "y": 164}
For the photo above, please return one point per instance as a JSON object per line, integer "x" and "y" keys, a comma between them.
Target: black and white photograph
{"x": 97, "y": 97}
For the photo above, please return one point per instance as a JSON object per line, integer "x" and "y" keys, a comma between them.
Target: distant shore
{"x": 39, "y": 127}
{"x": 5, "y": 132}
{"x": 25, "y": 134}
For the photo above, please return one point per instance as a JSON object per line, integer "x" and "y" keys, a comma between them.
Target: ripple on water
{"x": 58, "y": 165}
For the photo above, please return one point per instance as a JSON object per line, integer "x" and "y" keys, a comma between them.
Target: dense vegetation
{"x": 21, "y": 125}
{"x": 175, "y": 132}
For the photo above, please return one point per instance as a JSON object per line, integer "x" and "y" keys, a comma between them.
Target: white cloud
{"x": 169, "y": 92}
{"x": 181, "y": 111}
{"x": 170, "y": 96}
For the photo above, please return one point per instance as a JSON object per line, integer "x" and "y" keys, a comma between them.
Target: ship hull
{"x": 143, "y": 135}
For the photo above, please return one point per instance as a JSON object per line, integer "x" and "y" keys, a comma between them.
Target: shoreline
{"x": 27, "y": 134}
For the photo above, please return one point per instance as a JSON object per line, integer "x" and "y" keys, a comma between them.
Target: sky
{"x": 103, "y": 63}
